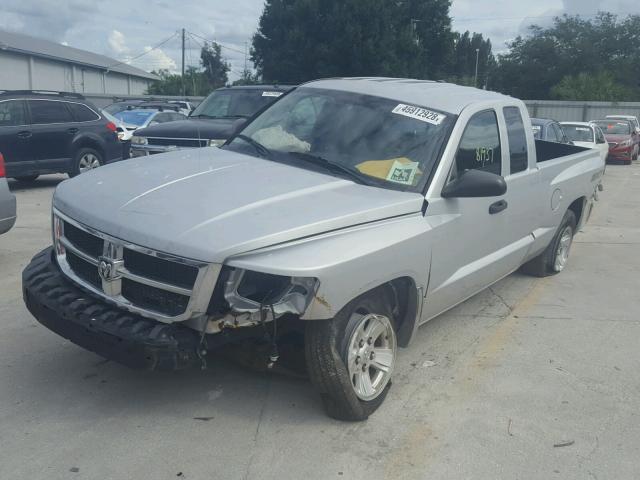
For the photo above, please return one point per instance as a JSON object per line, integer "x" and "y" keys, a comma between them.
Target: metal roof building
{"x": 32, "y": 63}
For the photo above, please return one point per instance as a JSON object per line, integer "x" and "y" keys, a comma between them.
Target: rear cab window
{"x": 518, "y": 148}
{"x": 479, "y": 147}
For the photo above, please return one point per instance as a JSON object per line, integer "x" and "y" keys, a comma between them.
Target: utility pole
{"x": 245, "y": 56}
{"x": 475, "y": 79}
{"x": 183, "y": 84}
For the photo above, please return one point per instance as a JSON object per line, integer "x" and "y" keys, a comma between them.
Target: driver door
{"x": 470, "y": 248}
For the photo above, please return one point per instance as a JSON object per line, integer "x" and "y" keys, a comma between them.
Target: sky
{"x": 146, "y": 33}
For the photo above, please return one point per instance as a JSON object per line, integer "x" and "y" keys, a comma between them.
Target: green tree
{"x": 248, "y": 78}
{"x": 538, "y": 62}
{"x": 196, "y": 83}
{"x": 215, "y": 66}
{"x": 599, "y": 87}
{"x": 299, "y": 40}
{"x": 466, "y": 47}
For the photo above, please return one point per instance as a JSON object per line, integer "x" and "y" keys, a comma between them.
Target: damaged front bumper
{"x": 113, "y": 333}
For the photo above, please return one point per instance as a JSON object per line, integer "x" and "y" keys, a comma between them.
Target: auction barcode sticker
{"x": 419, "y": 113}
{"x": 271, "y": 94}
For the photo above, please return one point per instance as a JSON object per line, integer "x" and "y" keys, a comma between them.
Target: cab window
{"x": 479, "y": 147}
{"x": 518, "y": 154}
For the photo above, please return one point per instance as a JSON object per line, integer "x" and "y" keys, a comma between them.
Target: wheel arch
{"x": 578, "y": 209}
{"x": 86, "y": 141}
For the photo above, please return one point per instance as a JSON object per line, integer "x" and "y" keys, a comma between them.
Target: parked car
{"x": 633, "y": 119}
{"x": 53, "y": 132}
{"x": 351, "y": 210}
{"x": 211, "y": 123}
{"x": 185, "y": 107}
{"x": 7, "y": 201}
{"x": 587, "y": 135}
{"x": 622, "y": 138}
{"x": 147, "y": 116}
{"x": 122, "y": 105}
{"x": 124, "y": 131}
{"x": 548, "y": 130}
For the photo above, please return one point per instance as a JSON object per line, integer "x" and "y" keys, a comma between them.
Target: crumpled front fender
{"x": 350, "y": 261}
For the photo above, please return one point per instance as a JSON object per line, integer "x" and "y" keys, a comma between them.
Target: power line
{"x": 215, "y": 41}
{"x": 143, "y": 53}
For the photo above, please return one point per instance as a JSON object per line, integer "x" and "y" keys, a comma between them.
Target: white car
{"x": 587, "y": 135}
{"x": 185, "y": 107}
{"x": 125, "y": 131}
{"x": 631, "y": 118}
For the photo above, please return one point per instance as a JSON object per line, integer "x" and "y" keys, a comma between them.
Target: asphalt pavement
{"x": 530, "y": 379}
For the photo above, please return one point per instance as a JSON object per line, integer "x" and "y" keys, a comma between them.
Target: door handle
{"x": 72, "y": 131}
{"x": 24, "y": 134}
{"x": 498, "y": 207}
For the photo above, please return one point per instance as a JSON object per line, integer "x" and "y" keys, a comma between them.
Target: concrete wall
{"x": 580, "y": 111}
{"x": 24, "y": 72}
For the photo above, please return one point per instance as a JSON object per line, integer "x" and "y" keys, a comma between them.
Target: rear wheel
{"x": 351, "y": 357}
{"x": 86, "y": 159}
{"x": 27, "y": 178}
{"x": 555, "y": 257}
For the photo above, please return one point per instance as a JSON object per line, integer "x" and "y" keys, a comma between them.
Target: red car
{"x": 622, "y": 138}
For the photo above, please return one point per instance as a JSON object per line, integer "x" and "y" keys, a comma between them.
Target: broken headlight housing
{"x": 247, "y": 291}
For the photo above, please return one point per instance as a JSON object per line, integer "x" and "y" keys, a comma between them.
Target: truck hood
{"x": 209, "y": 204}
{"x": 215, "y": 128}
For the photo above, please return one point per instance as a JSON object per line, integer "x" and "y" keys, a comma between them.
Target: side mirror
{"x": 474, "y": 184}
{"x": 238, "y": 125}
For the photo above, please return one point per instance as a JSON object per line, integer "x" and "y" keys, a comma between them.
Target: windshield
{"x": 235, "y": 103}
{"x": 578, "y": 133}
{"x": 385, "y": 142}
{"x": 612, "y": 127}
{"x": 135, "y": 117}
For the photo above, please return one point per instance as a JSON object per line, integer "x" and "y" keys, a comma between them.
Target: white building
{"x": 29, "y": 63}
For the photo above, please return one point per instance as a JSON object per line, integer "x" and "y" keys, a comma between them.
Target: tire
{"x": 337, "y": 356}
{"x": 84, "y": 160}
{"x": 549, "y": 262}
{"x": 27, "y": 178}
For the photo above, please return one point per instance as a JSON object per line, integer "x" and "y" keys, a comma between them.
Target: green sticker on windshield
{"x": 403, "y": 173}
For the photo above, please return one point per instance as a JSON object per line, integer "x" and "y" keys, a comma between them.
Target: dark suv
{"x": 53, "y": 132}
{"x": 211, "y": 123}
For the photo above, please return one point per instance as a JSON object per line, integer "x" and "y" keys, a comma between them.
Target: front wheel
{"x": 351, "y": 357}
{"x": 84, "y": 160}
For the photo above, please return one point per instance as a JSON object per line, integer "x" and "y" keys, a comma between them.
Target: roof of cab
{"x": 446, "y": 97}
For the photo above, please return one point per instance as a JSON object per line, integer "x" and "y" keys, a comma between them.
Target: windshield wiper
{"x": 261, "y": 149}
{"x": 331, "y": 166}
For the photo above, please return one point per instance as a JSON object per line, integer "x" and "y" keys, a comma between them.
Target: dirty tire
{"x": 86, "y": 159}
{"x": 26, "y": 178}
{"x": 326, "y": 349}
{"x": 543, "y": 264}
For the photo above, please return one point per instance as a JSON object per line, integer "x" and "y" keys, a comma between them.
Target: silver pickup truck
{"x": 351, "y": 210}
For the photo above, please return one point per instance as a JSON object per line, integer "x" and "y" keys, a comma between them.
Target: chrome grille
{"x": 178, "y": 142}
{"x": 153, "y": 284}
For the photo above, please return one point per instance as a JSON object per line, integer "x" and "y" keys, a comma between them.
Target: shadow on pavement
{"x": 46, "y": 181}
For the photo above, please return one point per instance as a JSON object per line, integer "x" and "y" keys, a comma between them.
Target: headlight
{"x": 247, "y": 292}
{"x": 120, "y": 135}
{"x": 216, "y": 142}
{"x": 626, "y": 143}
{"x": 138, "y": 140}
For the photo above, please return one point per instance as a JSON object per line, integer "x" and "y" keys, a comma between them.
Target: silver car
{"x": 7, "y": 202}
{"x": 350, "y": 210}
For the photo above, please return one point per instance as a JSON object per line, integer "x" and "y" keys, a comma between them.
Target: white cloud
{"x": 117, "y": 42}
{"x": 155, "y": 60}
